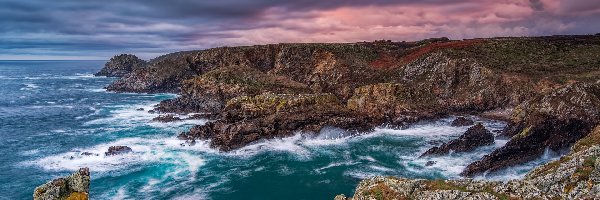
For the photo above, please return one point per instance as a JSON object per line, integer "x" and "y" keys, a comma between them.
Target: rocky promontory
{"x": 546, "y": 88}
{"x": 121, "y": 65}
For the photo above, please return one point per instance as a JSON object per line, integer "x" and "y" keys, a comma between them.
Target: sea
{"x": 53, "y": 111}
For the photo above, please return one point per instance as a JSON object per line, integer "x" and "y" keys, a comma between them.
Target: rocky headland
{"x": 545, "y": 88}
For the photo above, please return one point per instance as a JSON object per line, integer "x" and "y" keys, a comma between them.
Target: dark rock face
{"x": 248, "y": 119}
{"x": 555, "y": 120}
{"x": 75, "y": 186}
{"x": 115, "y": 150}
{"x": 166, "y": 118}
{"x": 462, "y": 121}
{"x": 475, "y": 136}
{"x": 121, "y": 65}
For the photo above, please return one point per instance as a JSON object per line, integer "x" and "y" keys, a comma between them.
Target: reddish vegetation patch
{"x": 384, "y": 61}
{"x": 437, "y": 46}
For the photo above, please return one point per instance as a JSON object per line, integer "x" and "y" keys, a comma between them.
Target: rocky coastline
{"x": 546, "y": 88}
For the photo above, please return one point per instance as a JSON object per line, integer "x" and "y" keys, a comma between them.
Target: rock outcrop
{"x": 574, "y": 176}
{"x": 121, "y": 65}
{"x": 115, "y": 150}
{"x": 462, "y": 121}
{"x": 555, "y": 121}
{"x": 475, "y": 136}
{"x": 73, "y": 187}
{"x": 248, "y": 119}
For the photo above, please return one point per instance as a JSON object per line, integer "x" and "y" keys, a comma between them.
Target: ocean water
{"x": 52, "y": 111}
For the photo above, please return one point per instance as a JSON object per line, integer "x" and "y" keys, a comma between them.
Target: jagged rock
{"x": 574, "y": 176}
{"x": 209, "y": 92}
{"x": 75, "y": 186}
{"x": 248, "y": 119}
{"x": 121, "y": 65}
{"x": 115, "y": 150}
{"x": 140, "y": 109}
{"x": 462, "y": 121}
{"x": 166, "y": 118}
{"x": 555, "y": 121}
{"x": 475, "y": 136}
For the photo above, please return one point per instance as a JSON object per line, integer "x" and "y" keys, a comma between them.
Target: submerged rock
{"x": 121, "y": 65}
{"x": 474, "y": 137}
{"x": 462, "y": 121}
{"x": 115, "y": 150}
{"x": 166, "y": 118}
{"x": 75, "y": 186}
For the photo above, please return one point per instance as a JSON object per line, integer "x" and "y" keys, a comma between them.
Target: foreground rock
{"x": 475, "y": 136}
{"x": 121, "y": 65}
{"x": 574, "y": 176}
{"x": 249, "y": 119}
{"x": 555, "y": 121}
{"x": 75, "y": 186}
{"x": 115, "y": 150}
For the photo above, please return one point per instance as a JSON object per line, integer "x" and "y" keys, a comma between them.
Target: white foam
{"x": 145, "y": 150}
{"x": 30, "y": 86}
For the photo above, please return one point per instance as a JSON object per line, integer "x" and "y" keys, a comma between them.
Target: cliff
{"x": 545, "y": 87}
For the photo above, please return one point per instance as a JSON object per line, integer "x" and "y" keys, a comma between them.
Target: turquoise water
{"x": 51, "y": 111}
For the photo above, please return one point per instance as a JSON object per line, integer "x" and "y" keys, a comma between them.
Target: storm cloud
{"x": 73, "y": 29}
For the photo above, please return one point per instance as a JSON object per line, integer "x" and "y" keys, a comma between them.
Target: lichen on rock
{"x": 75, "y": 186}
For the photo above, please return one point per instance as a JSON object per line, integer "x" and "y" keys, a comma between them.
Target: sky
{"x": 84, "y": 29}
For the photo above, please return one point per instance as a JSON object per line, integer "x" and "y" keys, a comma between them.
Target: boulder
{"x": 474, "y": 137}
{"x": 115, "y": 150}
{"x": 121, "y": 65}
{"x": 461, "y": 121}
{"x": 75, "y": 186}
